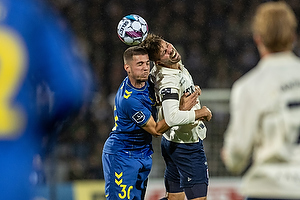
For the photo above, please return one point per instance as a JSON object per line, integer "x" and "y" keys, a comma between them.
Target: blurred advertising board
{"x": 219, "y": 189}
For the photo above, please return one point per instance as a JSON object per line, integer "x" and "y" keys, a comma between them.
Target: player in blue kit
{"x": 37, "y": 53}
{"x": 127, "y": 152}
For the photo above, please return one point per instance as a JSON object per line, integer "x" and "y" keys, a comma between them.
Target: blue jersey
{"x": 133, "y": 109}
{"x": 43, "y": 80}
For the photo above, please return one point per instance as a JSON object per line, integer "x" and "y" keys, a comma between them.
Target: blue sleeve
{"x": 137, "y": 111}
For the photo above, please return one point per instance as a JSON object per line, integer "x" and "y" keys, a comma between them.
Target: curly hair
{"x": 152, "y": 44}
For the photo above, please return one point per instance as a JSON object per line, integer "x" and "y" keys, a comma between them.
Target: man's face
{"x": 139, "y": 68}
{"x": 168, "y": 55}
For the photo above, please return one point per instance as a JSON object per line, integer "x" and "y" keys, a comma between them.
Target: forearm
{"x": 161, "y": 126}
{"x": 174, "y": 116}
{"x": 155, "y": 129}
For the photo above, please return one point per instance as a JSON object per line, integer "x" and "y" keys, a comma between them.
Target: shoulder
{"x": 250, "y": 79}
{"x": 246, "y": 88}
{"x": 129, "y": 96}
{"x": 164, "y": 71}
{"x": 165, "y": 77}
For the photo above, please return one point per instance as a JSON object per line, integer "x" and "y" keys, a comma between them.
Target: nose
{"x": 170, "y": 49}
{"x": 146, "y": 66}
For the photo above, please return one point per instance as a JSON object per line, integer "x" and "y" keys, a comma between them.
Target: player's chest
{"x": 186, "y": 83}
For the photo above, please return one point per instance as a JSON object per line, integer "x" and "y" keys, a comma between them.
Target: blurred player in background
{"x": 265, "y": 111}
{"x": 182, "y": 148}
{"x": 43, "y": 81}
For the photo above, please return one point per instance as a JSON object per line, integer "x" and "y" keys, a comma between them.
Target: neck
{"x": 137, "y": 83}
{"x": 263, "y": 51}
{"x": 174, "y": 66}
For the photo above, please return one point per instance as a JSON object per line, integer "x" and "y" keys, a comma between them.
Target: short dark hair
{"x": 132, "y": 51}
{"x": 152, "y": 44}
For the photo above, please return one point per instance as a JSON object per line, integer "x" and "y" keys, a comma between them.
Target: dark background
{"x": 213, "y": 37}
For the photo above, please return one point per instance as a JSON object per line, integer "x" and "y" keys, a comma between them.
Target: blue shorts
{"x": 185, "y": 163}
{"x": 125, "y": 177}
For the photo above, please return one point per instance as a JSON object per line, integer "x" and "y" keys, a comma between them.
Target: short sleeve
{"x": 137, "y": 111}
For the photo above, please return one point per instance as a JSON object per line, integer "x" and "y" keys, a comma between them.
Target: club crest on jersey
{"x": 138, "y": 117}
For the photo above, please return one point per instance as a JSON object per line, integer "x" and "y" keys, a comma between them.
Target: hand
{"x": 198, "y": 90}
{"x": 187, "y": 101}
{"x": 204, "y": 114}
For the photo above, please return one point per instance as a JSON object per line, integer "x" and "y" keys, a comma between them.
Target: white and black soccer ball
{"x": 132, "y": 29}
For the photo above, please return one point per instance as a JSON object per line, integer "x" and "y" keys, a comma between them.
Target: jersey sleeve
{"x": 239, "y": 136}
{"x": 137, "y": 111}
{"x": 170, "y": 96}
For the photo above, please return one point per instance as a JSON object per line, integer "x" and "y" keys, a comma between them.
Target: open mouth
{"x": 174, "y": 54}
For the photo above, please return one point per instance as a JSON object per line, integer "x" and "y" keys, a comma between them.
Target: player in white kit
{"x": 182, "y": 148}
{"x": 265, "y": 111}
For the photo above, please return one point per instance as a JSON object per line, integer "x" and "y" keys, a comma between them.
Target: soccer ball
{"x": 132, "y": 29}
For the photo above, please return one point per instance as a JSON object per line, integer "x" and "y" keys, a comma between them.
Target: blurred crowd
{"x": 213, "y": 37}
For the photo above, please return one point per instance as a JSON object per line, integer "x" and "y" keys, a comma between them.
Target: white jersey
{"x": 265, "y": 126}
{"x": 171, "y": 84}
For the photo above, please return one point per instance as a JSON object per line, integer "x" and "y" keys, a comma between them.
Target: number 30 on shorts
{"x": 125, "y": 192}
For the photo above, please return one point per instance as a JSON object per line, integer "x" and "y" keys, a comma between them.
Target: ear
{"x": 257, "y": 39}
{"x": 127, "y": 68}
{"x": 263, "y": 51}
